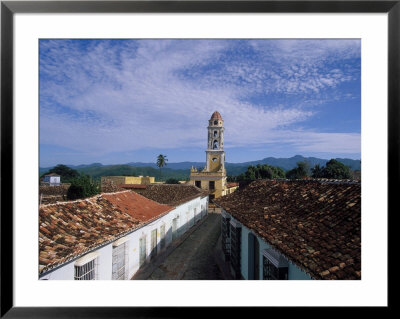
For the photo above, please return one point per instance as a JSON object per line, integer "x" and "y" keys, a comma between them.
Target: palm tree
{"x": 161, "y": 162}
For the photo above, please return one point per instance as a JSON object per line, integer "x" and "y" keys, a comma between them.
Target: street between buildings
{"x": 194, "y": 256}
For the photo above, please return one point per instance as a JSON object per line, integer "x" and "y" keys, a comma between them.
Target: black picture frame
{"x": 9, "y": 8}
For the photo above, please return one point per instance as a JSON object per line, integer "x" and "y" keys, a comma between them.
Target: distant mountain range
{"x": 181, "y": 169}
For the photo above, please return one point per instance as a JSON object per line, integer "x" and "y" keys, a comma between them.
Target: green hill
{"x": 181, "y": 171}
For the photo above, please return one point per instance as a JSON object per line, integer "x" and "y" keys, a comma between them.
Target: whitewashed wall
{"x": 187, "y": 213}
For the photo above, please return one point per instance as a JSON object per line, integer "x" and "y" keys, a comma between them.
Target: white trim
{"x": 85, "y": 259}
{"x": 120, "y": 241}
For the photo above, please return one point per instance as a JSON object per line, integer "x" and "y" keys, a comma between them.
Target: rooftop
{"x": 216, "y": 116}
{"x": 132, "y": 186}
{"x": 316, "y": 224}
{"x": 68, "y": 230}
{"x": 52, "y": 174}
{"x": 172, "y": 194}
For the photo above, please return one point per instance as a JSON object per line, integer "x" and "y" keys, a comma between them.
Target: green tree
{"x": 317, "y": 171}
{"x": 260, "y": 171}
{"x": 250, "y": 174}
{"x": 82, "y": 187}
{"x": 161, "y": 162}
{"x": 66, "y": 173}
{"x": 299, "y": 172}
{"x": 172, "y": 181}
{"x": 335, "y": 169}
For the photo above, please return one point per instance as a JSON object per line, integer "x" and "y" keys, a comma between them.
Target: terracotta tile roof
{"x": 315, "y": 224}
{"x": 70, "y": 229}
{"x": 132, "y": 186}
{"x": 136, "y": 205}
{"x": 172, "y": 194}
{"x": 216, "y": 116}
{"x": 232, "y": 184}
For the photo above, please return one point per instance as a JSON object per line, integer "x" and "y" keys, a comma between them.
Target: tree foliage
{"x": 301, "y": 171}
{"x": 172, "y": 181}
{"x": 161, "y": 161}
{"x": 259, "y": 171}
{"x": 66, "y": 173}
{"x": 82, "y": 187}
{"x": 333, "y": 169}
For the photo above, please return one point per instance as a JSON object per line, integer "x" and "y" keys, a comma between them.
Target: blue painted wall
{"x": 294, "y": 272}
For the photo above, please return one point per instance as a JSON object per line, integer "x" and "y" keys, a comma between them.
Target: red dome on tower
{"x": 216, "y": 116}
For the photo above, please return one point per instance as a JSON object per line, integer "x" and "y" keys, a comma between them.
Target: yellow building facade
{"x": 213, "y": 177}
{"x": 118, "y": 180}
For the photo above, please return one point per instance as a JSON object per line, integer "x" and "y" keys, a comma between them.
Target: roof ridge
{"x": 80, "y": 199}
{"x": 137, "y": 194}
{"x": 310, "y": 180}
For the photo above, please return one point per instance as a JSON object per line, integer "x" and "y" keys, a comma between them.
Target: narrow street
{"x": 191, "y": 257}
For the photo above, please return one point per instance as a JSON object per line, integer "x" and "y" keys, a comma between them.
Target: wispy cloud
{"x": 116, "y": 95}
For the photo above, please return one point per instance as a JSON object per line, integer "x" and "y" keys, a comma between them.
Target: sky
{"x": 120, "y": 101}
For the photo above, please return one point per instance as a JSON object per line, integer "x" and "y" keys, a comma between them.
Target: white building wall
{"x": 104, "y": 259}
{"x": 104, "y": 263}
{"x": 54, "y": 180}
{"x": 64, "y": 273}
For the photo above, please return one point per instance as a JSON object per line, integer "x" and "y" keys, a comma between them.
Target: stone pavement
{"x": 196, "y": 255}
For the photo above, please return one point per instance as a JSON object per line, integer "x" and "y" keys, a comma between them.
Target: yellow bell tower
{"x": 213, "y": 176}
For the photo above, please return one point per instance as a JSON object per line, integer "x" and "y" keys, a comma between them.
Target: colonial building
{"x": 213, "y": 177}
{"x": 293, "y": 230}
{"x": 128, "y": 180}
{"x": 110, "y": 236}
{"x": 52, "y": 179}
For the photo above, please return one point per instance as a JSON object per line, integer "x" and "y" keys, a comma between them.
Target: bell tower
{"x": 215, "y": 154}
{"x": 213, "y": 177}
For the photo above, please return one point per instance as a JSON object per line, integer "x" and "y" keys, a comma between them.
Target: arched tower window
{"x": 215, "y": 122}
{"x": 215, "y": 144}
{"x": 215, "y": 133}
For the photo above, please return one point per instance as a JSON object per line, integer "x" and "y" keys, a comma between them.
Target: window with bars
{"x": 226, "y": 240}
{"x": 120, "y": 261}
{"x": 275, "y": 266}
{"x": 86, "y": 267}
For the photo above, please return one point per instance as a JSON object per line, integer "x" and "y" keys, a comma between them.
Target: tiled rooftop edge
{"x": 227, "y": 204}
{"x": 92, "y": 200}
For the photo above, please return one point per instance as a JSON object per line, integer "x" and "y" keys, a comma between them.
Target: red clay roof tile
{"x": 70, "y": 229}
{"x": 311, "y": 222}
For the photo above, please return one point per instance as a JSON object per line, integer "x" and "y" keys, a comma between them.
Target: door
{"x": 254, "y": 257}
{"x": 142, "y": 250}
{"x": 153, "y": 249}
{"x": 174, "y": 228}
{"x": 162, "y": 235}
